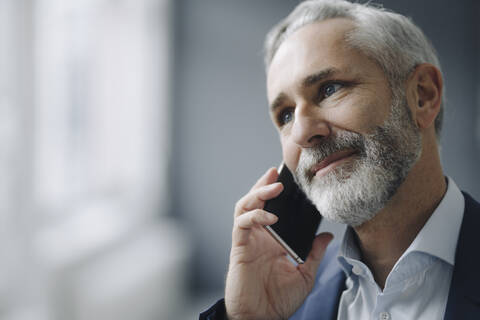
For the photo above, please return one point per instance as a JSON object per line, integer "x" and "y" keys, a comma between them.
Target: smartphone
{"x": 298, "y": 218}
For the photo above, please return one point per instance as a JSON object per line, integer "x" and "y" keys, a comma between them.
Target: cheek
{"x": 358, "y": 116}
{"x": 291, "y": 153}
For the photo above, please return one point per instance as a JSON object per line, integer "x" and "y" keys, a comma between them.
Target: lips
{"x": 331, "y": 161}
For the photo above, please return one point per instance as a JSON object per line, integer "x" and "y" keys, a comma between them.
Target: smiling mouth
{"x": 331, "y": 162}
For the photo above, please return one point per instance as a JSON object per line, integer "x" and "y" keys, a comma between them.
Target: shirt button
{"x": 384, "y": 316}
{"x": 357, "y": 270}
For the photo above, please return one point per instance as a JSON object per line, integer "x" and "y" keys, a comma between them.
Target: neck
{"x": 385, "y": 238}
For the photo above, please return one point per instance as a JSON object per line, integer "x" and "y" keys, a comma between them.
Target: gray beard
{"x": 355, "y": 191}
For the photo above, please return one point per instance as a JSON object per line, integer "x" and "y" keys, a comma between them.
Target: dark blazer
{"x": 463, "y": 298}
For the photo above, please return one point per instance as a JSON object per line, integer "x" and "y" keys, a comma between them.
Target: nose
{"x": 309, "y": 127}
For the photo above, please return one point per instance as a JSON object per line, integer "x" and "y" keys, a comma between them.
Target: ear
{"x": 424, "y": 94}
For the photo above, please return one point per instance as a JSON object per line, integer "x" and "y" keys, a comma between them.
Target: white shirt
{"x": 418, "y": 285}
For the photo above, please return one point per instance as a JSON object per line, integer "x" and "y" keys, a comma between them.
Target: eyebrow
{"x": 278, "y": 101}
{"x": 306, "y": 82}
{"x": 317, "y": 77}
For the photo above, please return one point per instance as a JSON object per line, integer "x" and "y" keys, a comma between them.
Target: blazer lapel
{"x": 464, "y": 296}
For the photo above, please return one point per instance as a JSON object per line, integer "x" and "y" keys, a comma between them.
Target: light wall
{"x": 84, "y": 146}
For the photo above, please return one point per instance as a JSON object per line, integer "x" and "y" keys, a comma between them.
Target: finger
{"x": 254, "y": 218}
{"x": 250, "y": 200}
{"x": 244, "y": 223}
{"x": 268, "y": 177}
{"x": 256, "y": 198}
{"x": 309, "y": 268}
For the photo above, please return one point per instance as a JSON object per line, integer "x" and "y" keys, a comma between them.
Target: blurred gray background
{"x": 222, "y": 137}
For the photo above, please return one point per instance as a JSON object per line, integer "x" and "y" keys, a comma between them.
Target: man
{"x": 356, "y": 95}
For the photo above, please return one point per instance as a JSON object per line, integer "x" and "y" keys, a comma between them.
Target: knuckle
{"x": 237, "y": 220}
{"x": 258, "y": 212}
{"x": 239, "y": 205}
{"x": 262, "y": 189}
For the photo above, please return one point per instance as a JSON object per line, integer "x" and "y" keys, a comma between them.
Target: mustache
{"x": 327, "y": 146}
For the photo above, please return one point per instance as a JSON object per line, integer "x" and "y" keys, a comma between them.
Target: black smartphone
{"x": 298, "y": 218}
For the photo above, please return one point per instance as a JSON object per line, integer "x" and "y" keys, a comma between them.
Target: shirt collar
{"x": 438, "y": 237}
{"x": 349, "y": 252}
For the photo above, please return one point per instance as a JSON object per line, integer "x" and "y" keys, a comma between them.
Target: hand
{"x": 262, "y": 283}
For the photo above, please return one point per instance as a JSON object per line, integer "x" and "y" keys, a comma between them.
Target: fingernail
{"x": 271, "y": 217}
{"x": 273, "y": 186}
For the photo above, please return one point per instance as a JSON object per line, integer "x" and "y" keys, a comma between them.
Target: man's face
{"x": 349, "y": 141}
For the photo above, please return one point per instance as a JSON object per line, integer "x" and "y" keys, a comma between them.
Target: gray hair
{"x": 390, "y": 39}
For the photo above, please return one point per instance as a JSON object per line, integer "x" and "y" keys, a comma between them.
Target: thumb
{"x": 315, "y": 256}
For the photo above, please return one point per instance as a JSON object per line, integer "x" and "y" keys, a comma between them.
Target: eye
{"x": 285, "y": 116}
{"x": 329, "y": 89}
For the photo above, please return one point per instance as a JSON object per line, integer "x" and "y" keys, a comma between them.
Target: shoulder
{"x": 464, "y": 297}
{"x": 470, "y": 223}
{"x": 471, "y": 205}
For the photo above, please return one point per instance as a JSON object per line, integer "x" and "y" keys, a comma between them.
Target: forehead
{"x": 313, "y": 48}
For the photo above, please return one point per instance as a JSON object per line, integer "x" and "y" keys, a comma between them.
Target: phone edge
{"x": 284, "y": 245}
